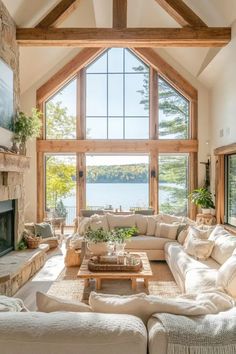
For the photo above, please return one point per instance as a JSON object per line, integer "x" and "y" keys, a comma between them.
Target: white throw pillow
{"x": 151, "y": 224}
{"x": 99, "y": 222}
{"x": 225, "y": 244}
{"x": 227, "y": 276}
{"x": 84, "y": 223}
{"x": 47, "y": 303}
{"x": 141, "y": 223}
{"x": 199, "y": 249}
{"x": 115, "y": 221}
{"x": 166, "y": 230}
{"x": 10, "y": 304}
{"x": 144, "y": 306}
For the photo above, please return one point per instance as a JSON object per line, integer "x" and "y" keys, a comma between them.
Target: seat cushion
{"x": 143, "y": 242}
{"x": 199, "y": 280}
{"x": 227, "y": 276}
{"x": 225, "y": 244}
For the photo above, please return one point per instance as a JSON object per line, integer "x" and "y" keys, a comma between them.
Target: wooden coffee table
{"x": 145, "y": 273}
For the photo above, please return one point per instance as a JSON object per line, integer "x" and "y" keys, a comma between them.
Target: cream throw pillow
{"x": 83, "y": 225}
{"x": 169, "y": 219}
{"x": 166, "y": 230}
{"x": 151, "y": 224}
{"x": 225, "y": 244}
{"x": 10, "y": 304}
{"x": 99, "y": 221}
{"x": 144, "y": 306}
{"x": 47, "y": 303}
{"x": 141, "y": 223}
{"x": 226, "y": 277}
{"x": 120, "y": 220}
{"x": 199, "y": 249}
{"x": 182, "y": 236}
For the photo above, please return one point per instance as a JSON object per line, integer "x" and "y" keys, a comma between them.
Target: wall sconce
{"x": 153, "y": 173}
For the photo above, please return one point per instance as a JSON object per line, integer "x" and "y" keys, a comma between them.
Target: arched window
{"x": 117, "y": 96}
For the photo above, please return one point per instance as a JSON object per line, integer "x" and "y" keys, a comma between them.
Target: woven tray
{"x": 95, "y": 266}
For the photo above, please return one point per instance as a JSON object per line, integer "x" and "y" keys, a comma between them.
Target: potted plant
{"x": 202, "y": 197}
{"x": 120, "y": 235}
{"x": 26, "y": 127}
{"x": 97, "y": 241}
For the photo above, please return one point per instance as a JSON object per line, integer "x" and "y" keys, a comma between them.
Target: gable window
{"x": 117, "y": 96}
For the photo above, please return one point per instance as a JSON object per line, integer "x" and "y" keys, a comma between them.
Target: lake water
{"x": 127, "y": 195}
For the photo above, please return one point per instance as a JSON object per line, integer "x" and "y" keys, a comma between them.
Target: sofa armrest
{"x": 157, "y": 337}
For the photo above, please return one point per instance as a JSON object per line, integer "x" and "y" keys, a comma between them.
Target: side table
{"x": 206, "y": 219}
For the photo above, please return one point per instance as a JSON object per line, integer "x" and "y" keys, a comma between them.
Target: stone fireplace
{"x": 12, "y": 168}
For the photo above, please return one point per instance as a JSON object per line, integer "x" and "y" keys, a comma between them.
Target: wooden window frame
{"x": 152, "y": 146}
{"x": 221, "y": 153}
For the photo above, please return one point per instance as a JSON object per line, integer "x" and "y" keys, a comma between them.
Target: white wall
{"x": 28, "y": 100}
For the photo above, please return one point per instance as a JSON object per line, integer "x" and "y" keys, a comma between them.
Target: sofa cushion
{"x": 115, "y": 221}
{"x": 182, "y": 236}
{"x": 166, "y": 230}
{"x": 72, "y": 333}
{"x": 200, "y": 280}
{"x": 151, "y": 224}
{"x": 143, "y": 242}
{"x": 84, "y": 223}
{"x": 47, "y": 303}
{"x": 199, "y": 249}
{"x": 141, "y": 223}
{"x": 227, "y": 276}
{"x": 225, "y": 244}
{"x": 170, "y": 219}
{"x": 9, "y": 304}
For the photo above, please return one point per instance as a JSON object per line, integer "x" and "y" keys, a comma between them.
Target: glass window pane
{"x": 173, "y": 184}
{"x": 61, "y": 186}
{"x": 136, "y": 128}
{"x": 96, "y": 95}
{"x": 96, "y": 128}
{"x": 115, "y": 128}
{"x": 61, "y": 113}
{"x": 231, "y": 190}
{"x": 115, "y": 94}
{"x": 117, "y": 181}
{"x": 136, "y": 95}
{"x": 115, "y": 60}
{"x": 99, "y": 65}
{"x": 173, "y": 112}
{"x": 133, "y": 63}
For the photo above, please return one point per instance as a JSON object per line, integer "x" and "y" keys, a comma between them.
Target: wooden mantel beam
{"x": 128, "y": 37}
{"x": 119, "y": 13}
{"x": 181, "y": 13}
{"x": 58, "y": 14}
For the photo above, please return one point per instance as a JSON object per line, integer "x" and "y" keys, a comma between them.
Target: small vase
{"x": 22, "y": 148}
{"x": 206, "y": 211}
{"x": 120, "y": 247}
{"x": 98, "y": 249}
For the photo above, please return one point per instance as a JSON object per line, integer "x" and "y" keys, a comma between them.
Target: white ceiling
{"x": 35, "y": 63}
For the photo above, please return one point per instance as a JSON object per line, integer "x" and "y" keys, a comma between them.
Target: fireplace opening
{"x": 7, "y": 227}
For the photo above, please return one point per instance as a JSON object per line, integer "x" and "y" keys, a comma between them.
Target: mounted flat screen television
{"x": 6, "y": 96}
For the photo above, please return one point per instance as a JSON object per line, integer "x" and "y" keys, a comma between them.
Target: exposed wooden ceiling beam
{"x": 167, "y": 71}
{"x": 129, "y": 37}
{"x": 58, "y": 14}
{"x": 181, "y": 13}
{"x": 119, "y": 13}
{"x": 83, "y": 58}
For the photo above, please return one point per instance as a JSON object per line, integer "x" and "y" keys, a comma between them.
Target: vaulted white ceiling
{"x": 202, "y": 63}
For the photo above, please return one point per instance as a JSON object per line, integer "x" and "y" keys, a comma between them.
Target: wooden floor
{"x": 59, "y": 281}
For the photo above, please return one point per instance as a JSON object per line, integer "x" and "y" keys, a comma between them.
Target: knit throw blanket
{"x": 210, "y": 334}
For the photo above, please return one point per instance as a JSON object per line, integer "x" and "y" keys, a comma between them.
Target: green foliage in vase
{"x": 26, "y": 127}
{"x": 121, "y": 234}
{"x": 97, "y": 236}
{"x": 202, "y": 197}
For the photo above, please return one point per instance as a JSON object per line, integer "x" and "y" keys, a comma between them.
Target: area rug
{"x": 70, "y": 287}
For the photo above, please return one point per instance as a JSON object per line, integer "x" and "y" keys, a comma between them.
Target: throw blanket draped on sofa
{"x": 210, "y": 334}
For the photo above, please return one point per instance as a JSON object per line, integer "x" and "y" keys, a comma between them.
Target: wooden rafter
{"x": 128, "y": 37}
{"x": 58, "y": 14}
{"x": 181, "y": 13}
{"x": 119, "y": 13}
{"x": 83, "y": 58}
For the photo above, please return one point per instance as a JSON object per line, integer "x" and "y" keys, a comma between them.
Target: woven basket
{"x": 33, "y": 243}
